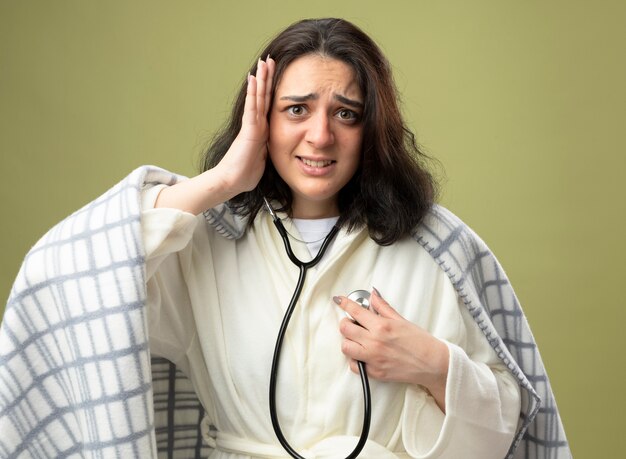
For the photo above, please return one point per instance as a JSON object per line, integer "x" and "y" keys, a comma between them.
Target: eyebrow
{"x": 313, "y": 96}
{"x": 351, "y": 102}
{"x": 310, "y": 96}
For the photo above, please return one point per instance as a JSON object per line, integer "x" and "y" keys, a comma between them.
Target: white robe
{"x": 214, "y": 308}
{"x": 76, "y": 377}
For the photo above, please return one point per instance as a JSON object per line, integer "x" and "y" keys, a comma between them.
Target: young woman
{"x": 316, "y": 132}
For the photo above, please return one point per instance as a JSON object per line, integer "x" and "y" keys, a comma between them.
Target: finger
{"x": 352, "y": 350}
{"x": 360, "y": 314}
{"x": 381, "y": 306}
{"x": 353, "y": 331}
{"x": 249, "y": 108}
{"x": 271, "y": 68}
{"x": 261, "y": 76}
{"x": 371, "y": 372}
{"x": 354, "y": 366}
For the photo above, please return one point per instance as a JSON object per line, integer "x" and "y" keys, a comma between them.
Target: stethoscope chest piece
{"x": 362, "y": 297}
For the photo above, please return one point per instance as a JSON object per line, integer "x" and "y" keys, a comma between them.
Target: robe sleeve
{"x": 166, "y": 233}
{"x": 482, "y": 403}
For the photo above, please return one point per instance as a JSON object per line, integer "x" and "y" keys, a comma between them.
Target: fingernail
{"x": 337, "y": 299}
{"x": 268, "y": 57}
{"x": 376, "y": 292}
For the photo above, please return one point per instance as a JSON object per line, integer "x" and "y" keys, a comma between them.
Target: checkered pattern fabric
{"x": 484, "y": 288}
{"x": 76, "y": 377}
{"x": 177, "y": 413}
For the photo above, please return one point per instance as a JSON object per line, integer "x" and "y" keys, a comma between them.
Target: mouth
{"x": 314, "y": 163}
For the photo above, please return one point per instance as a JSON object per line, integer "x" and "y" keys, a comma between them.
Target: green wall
{"x": 523, "y": 102}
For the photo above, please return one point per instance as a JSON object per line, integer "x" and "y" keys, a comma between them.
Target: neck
{"x": 315, "y": 211}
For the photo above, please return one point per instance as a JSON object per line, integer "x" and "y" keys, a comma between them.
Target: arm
{"x": 168, "y": 221}
{"x": 459, "y": 402}
{"x": 243, "y": 164}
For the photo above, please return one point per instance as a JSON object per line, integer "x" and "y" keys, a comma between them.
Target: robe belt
{"x": 328, "y": 448}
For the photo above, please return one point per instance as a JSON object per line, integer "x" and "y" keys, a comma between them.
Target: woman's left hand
{"x": 393, "y": 348}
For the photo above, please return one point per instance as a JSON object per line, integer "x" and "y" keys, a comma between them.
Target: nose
{"x": 319, "y": 131}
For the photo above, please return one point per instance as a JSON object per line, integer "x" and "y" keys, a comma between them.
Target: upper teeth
{"x": 308, "y": 162}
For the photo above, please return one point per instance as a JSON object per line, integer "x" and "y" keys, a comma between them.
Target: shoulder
{"x": 450, "y": 241}
{"x": 441, "y": 226}
{"x": 477, "y": 276}
{"x": 225, "y": 222}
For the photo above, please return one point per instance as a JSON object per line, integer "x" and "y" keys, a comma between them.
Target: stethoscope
{"x": 360, "y": 296}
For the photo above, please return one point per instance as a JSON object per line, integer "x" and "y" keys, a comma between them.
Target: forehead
{"x": 315, "y": 74}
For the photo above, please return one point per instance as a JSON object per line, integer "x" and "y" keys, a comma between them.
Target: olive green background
{"x": 522, "y": 102}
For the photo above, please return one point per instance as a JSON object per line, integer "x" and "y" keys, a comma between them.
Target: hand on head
{"x": 243, "y": 165}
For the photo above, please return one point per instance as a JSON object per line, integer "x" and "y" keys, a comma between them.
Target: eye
{"x": 347, "y": 115}
{"x": 296, "y": 110}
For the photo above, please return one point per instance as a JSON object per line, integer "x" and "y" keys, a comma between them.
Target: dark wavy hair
{"x": 392, "y": 188}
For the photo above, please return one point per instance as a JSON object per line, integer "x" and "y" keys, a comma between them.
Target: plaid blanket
{"x": 76, "y": 375}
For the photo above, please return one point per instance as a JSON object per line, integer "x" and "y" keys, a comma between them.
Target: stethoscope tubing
{"x": 303, "y": 266}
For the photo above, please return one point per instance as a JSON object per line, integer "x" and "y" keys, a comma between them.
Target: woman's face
{"x": 315, "y": 132}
